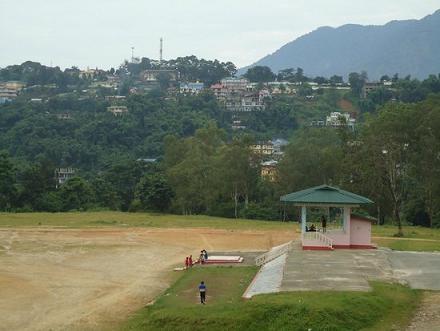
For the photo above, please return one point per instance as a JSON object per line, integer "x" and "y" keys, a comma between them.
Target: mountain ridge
{"x": 408, "y": 47}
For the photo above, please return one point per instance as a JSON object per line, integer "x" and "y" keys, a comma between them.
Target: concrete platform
{"x": 421, "y": 270}
{"x": 342, "y": 270}
{"x": 350, "y": 270}
{"x": 346, "y": 270}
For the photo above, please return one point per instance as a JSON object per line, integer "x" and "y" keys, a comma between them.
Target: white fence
{"x": 318, "y": 236}
{"x": 273, "y": 253}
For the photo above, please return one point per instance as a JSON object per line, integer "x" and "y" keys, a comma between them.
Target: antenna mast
{"x": 161, "y": 50}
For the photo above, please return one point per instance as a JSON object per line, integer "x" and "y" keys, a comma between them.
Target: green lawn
{"x": 408, "y": 245}
{"x": 119, "y": 219}
{"x": 387, "y": 307}
{"x": 408, "y": 231}
{"x": 415, "y": 238}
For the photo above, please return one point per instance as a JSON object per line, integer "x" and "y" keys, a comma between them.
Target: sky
{"x": 100, "y": 33}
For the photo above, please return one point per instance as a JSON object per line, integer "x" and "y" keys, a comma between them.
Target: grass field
{"x": 415, "y": 232}
{"x": 387, "y": 307}
{"x": 120, "y": 219}
{"x": 429, "y": 239}
{"x": 409, "y": 245}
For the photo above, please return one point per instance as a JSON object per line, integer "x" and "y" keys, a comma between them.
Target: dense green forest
{"x": 202, "y": 165}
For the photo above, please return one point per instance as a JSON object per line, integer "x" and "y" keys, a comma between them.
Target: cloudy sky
{"x": 101, "y": 32}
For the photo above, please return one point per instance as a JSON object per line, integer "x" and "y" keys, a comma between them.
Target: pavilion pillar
{"x": 346, "y": 216}
{"x": 303, "y": 219}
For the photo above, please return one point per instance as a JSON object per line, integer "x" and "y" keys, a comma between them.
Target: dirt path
{"x": 90, "y": 279}
{"x": 427, "y": 317}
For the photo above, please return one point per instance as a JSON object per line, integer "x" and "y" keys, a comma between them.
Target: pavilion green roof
{"x": 325, "y": 195}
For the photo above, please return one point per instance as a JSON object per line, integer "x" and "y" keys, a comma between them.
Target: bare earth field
{"x": 88, "y": 279}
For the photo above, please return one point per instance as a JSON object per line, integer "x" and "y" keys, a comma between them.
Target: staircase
{"x": 316, "y": 241}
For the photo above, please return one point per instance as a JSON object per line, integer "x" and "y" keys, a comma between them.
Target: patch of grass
{"x": 408, "y": 232}
{"x": 119, "y": 219}
{"x": 409, "y": 245}
{"x": 387, "y": 307}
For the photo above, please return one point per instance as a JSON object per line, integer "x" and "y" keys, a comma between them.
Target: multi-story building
{"x": 64, "y": 116}
{"x": 118, "y": 110}
{"x": 7, "y": 95}
{"x": 233, "y": 84}
{"x": 219, "y": 91}
{"x": 191, "y": 88}
{"x": 269, "y": 170}
{"x": 115, "y": 98}
{"x": 337, "y": 119}
{"x": 264, "y": 148}
{"x": 88, "y": 73}
{"x": 62, "y": 175}
{"x": 153, "y": 75}
{"x": 369, "y": 87}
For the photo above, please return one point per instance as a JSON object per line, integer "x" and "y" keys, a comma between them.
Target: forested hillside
{"x": 178, "y": 153}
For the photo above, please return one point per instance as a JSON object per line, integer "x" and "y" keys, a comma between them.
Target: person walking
{"x": 323, "y": 224}
{"x": 187, "y": 262}
{"x": 202, "y": 291}
{"x": 190, "y": 261}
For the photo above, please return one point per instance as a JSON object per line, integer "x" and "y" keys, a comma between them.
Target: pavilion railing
{"x": 273, "y": 253}
{"x": 318, "y": 236}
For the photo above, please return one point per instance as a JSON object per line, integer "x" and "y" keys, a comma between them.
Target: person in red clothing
{"x": 187, "y": 262}
{"x": 190, "y": 260}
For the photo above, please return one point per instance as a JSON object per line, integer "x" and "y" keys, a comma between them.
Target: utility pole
{"x": 132, "y": 54}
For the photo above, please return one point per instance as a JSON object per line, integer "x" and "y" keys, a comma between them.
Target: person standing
{"x": 187, "y": 262}
{"x": 190, "y": 261}
{"x": 323, "y": 224}
{"x": 202, "y": 291}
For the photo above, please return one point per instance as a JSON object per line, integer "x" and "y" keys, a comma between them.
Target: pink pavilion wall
{"x": 360, "y": 232}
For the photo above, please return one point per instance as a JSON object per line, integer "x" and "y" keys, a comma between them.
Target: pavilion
{"x": 352, "y": 231}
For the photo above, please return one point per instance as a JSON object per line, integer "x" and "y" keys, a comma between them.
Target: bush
{"x": 256, "y": 211}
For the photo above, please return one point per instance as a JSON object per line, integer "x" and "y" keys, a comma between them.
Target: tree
{"x": 357, "y": 82}
{"x": 336, "y": 80}
{"x": 260, "y": 74}
{"x": 164, "y": 79}
{"x": 320, "y": 80}
{"x": 192, "y": 173}
{"x": 387, "y": 143}
{"x": 286, "y": 75}
{"x": 426, "y": 160}
{"x": 237, "y": 173}
{"x": 36, "y": 181}
{"x": 76, "y": 194}
{"x": 154, "y": 192}
{"x": 313, "y": 158}
{"x": 105, "y": 193}
{"x": 299, "y": 76}
{"x": 7, "y": 182}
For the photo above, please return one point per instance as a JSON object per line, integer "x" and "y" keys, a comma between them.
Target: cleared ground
{"x": 84, "y": 279}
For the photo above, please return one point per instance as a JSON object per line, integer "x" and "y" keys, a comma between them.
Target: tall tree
{"x": 7, "y": 182}
{"x": 76, "y": 194}
{"x": 388, "y": 139}
{"x": 260, "y": 74}
{"x": 154, "y": 192}
{"x": 237, "y": 171}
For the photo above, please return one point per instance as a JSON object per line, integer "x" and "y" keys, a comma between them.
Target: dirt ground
{"x": 91, "y": 279}
{"x": 427, "y": 317}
